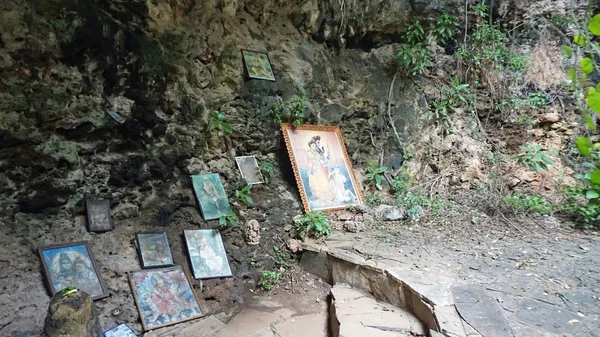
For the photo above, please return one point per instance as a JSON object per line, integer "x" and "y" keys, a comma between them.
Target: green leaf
{"x": 590, "y": 166}
{"x": 593, "y": 99}
{"x": 595, "y": 177}
{"x": 587, "y": 65}
{"x": 572, "y": 73}
{"x": 594, "y": 25}
{"x": 567, "y": 51}
{"x": 580, "y": 40}
{"x": 592, "y": 194}
{"x": 584, "y": 145}
{"x": 590, "y": 122}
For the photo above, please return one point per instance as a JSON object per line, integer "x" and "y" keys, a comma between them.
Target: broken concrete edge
{"x": 378, "y": 278}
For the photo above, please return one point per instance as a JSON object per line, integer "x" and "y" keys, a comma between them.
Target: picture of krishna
{"x": 164, "y": 297}
{"x": 324, "y": 173}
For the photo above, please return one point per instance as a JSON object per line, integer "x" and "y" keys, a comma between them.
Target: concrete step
{"x": 357, "y": 314}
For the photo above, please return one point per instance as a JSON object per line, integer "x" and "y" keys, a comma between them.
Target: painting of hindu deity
{"x": 98, "y": 215}
{"x": 153, "y": 249}
{"x": 163, "y": 297}
{"x": 322, "y": 168}
{"x": 248, "y": 167}
{"x": 72, "y": 265}
{"x": 207, "y": 254}
{"x": 211, "y": 196}
{"x": 121, "y": 330}
{"x": 258, "y": 65}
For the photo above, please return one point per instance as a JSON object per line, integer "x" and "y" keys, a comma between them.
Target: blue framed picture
{"x": 121, "y": 330}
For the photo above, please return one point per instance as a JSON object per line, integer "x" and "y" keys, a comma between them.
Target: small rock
{"x": 549, "y": 118}
{"x": 294, "y": 245}
{"x": 72, "y": 315}
{"x": 389, "y": 213}
{"x": 354, "y": 226}
{"x": 346, "y": 216}
{"x": 252, "y": 232}
{"x": 126, "y": 210}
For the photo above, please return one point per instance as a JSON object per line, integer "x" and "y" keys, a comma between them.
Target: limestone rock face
{"x": 72, "y": 316}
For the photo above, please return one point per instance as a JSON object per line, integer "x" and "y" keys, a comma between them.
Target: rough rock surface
{"x": 72, "y": 315}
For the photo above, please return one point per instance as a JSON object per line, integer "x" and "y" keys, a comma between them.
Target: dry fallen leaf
{"x": 573, "y": 321}
{"x": 519, "y": 264}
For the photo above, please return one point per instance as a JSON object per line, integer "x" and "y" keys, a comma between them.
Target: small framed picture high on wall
{"x": 249, "y": 169}
{"x": 153, "y": 249}
{"x": 258, "y": 65}
{"x": 98, "y": 215}
{"x": 163, "y": 297}
{"x": 72, "y": 265}
{"x": 207, "y": 253}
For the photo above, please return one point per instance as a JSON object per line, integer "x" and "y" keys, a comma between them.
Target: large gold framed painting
{"x": 322, "y": 168}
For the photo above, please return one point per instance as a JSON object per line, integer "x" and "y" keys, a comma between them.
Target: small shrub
{"x": 313, "y": 223}
{"x": 526, "y": 203}
{"x": 534, "y": 158}
{"x": 244, "y": 195}
{"x": 412, "y": 55}
{"x": 292, "y": 110}
{"x": 444, "y": 27}
{"x": 281, "y": 259}
{"x": 401, "y": 182}
{"x": 218, "y": 122}
{"x": 457, "y": 95}
{"x": 374, "y": 176}
{"x": 537, "y": 100}
{"x": 268, "y": 279}
{"x": 268, "y": 170}
{"x": 229, "y": 219}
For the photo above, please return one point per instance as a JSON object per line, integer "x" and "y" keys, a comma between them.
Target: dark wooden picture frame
{"x": 51, "y": 278}
{"x": 247, "y": 55}
{"x": 134, "y": 290}
{"x": 92, "y": 208}
{"x": 197, "y": 257}
{"x": 141, "y": 248}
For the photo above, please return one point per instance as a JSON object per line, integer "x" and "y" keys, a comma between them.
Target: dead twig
{"x": 389, "y": 110}
{"x": 381, "y": 151}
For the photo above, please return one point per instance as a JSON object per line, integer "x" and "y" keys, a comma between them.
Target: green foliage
{"x": 444, "y": 27}
{"x": 292, "y": 110}
{"x": 575, "y": 205}
{"x": 537, "y": 100}
{"x": 534, "y": 158}
{"x": 229, "y": 219}
{"x": 517, "y": 63}
{"x": 457, "y": 95}
{"x": 481, "y": 10}
{"x": 561, "y": 20}
{"x": 313, "y": 224}
{"x": 412, "y": 55}
{"x": 374, "y": 176}
{"x": 244, "y": 195}
{"x": 526, "y": 203}
{"x": 401, "y": 181}
{"x": 218, "y": 122}
{"x": 281, "y": 259}
{"x": 268, "y": 170}
{"x": 268, "y": 279}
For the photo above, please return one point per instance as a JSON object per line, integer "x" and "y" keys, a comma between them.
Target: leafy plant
{"x": 534, "y": 158}
{"x": 415, "y": 212}
{"x": 374, "y": 175}
{"x": 481, "y": 10}
{"x": 218, "y": 122}
{"x": 280, "y": 258}
{"x": 291, "y": 110}
{"x": 268, "y": 170}
{"x": 268, "y": 279}
{"x": 313, "y": 223}
{"x": 444, "y": 27}
{"x": 457, "y": 95}
{"x": 526, "y": 203}
{"x": 412, "y": 55}
{"x": 537, "y": 100}
{"x": 244, "y": 195}
{"x": 229, "y": 219}
{"x": 401, "y": 181}
{"x": 575, "y": 205}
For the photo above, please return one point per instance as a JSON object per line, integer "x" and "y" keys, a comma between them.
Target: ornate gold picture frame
{"x": 322, "y": 167}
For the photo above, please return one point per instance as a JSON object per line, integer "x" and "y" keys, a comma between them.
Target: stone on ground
{"x": 356, "y": 314}
{"x": 72, "y": 316}
{"x": 313, "y": 325}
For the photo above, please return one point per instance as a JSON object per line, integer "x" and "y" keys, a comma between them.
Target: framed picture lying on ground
{"x": 163, "y": 297}
{"x": 153, "y": 249}
{"x": 98, "y": 215}
{"x": 249, "y": 170}
{"x": 121, "y": 330}
{"x": 207, "y": 253}
{"x": 211, "y": 196}
{"x": 258, "y": 65}
{"x": 322, "y": 167}
{"x": 72, "y": 265}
